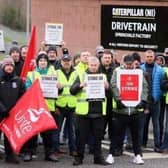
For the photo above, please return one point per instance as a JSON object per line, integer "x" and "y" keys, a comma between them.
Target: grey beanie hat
{"x": 7, "y": 60}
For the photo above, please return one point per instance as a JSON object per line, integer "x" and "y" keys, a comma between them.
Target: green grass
{"x": 7, "y": 39}
{"x": 11, "y": 35}
{"x": 2, "y": 55}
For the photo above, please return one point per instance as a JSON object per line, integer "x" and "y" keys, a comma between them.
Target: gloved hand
{"x": 120, "y": 105}
{"x": 142, "y": 104}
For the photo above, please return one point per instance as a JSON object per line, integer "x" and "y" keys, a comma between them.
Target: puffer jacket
{"x": 157, "y": 77}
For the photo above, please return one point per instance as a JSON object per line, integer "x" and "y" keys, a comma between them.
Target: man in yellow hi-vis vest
{"x": 66, "y": 102}
{"x": 89, "y": 110}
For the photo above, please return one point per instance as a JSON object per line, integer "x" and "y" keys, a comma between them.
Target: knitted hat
{"x": 99, "y": 49}
{"x": 6, "y": 61}
{"x": 40, "y": 56}
{"x": 52, "y": 48}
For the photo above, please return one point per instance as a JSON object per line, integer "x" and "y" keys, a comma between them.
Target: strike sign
{"x": 129, "y": 83}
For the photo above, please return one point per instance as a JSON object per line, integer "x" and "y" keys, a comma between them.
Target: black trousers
{"x": 8, "y": 148}
{"x": 85, "y": 126}
{"x": 31, "y": 144}
{"x": 119, "y": 124}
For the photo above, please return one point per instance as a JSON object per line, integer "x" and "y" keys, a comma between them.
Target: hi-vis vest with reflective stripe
{"x": 36, "y": 75}
{"x": 82, "y": 106}
{"x": 166, "y": 70}
{"x": 65, "y": 98}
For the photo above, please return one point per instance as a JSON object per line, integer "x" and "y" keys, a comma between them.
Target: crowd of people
{"x": 87, "y": 120}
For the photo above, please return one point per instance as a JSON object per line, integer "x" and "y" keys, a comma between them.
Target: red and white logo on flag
{"x": 29, "y": 117}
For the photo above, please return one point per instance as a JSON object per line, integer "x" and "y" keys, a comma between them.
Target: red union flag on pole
{"x": 29, "y": 65}
{"x": 129, "y": 83}
{"x": 29, "y": 117}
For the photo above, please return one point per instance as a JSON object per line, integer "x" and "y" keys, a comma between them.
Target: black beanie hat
{"x": 52, "y": 48}
{"x": 43, "y": 55}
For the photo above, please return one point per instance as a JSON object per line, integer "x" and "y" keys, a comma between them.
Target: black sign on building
{"x": 134, "y": 27}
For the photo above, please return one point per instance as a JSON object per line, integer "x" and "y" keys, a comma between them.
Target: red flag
{"x": 28, "y": 63}
{"x": 29, "y": 117}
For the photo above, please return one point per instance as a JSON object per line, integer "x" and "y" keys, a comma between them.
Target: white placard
{"x": 53, "y": 33}
{"x": 126, "y": 72}
{"x": 95, "y": 88}
{"x": 2, "y": 45}
{"x": 48, "y": 86}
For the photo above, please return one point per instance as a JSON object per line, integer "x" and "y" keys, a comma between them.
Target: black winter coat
{"x": 108, "y": 72}
{"x": 18, "y": 67}
{"x": 11, "y": 89}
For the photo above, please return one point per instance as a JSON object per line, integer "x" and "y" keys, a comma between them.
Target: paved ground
{"x": 152, "y": 160}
